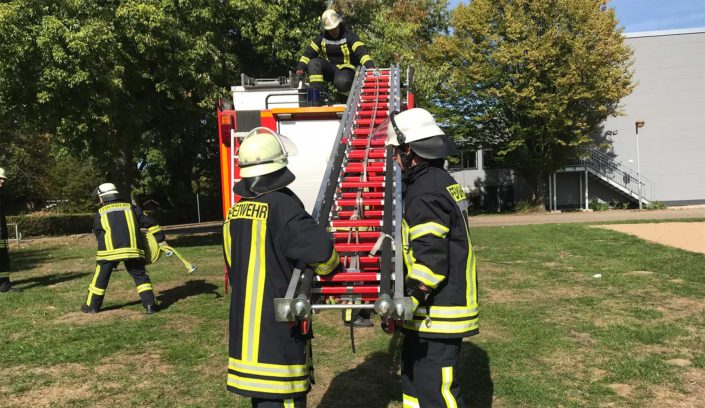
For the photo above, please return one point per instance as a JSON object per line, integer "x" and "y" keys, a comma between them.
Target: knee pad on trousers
{"x": 315, "y": 66}
{"x": 342, "y": 83}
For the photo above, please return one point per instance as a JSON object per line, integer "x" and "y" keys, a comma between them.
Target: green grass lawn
{"x": 551, "y": 333}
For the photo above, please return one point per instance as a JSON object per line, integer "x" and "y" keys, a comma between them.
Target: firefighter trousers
{"x": 321, "y": 71}
{"x": 429, "y": 372}
{"x": 287, "y": 403}
{"x": 101, "y": 277}
{"x": 5, "y": 284}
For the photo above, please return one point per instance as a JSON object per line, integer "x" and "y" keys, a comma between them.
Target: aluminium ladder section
{"x": 360, "y": 203}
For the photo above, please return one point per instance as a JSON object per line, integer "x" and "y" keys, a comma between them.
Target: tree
{"x": 532, "y": 80}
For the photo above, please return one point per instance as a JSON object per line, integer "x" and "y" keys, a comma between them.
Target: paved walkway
{"x": 575, "y": 217}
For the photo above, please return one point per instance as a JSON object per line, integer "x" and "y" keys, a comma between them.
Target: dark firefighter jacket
{"x": 117, "y": 228}
{"x": 346, "y": 52}
{"x": 438, "y": 253}
{"x": 4, "y": 256}
{"x": 263, "y": 239}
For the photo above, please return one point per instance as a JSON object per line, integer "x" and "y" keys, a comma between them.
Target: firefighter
{"x": 5, "y": 284}
{"x": 439, "y": 262}
{"x": 117, "y": 229}
{"x": 265, "y": 235}
{"x": 333, "y": 55}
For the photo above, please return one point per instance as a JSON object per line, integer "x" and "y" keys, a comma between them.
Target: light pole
{"x": 638, "y": 124}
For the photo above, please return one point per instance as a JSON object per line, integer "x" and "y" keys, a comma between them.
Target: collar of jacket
{"x": 419, "y": 170}
{"x": 340, "y": 37}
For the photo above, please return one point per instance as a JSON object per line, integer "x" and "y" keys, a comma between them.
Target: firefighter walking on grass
{"x": 439, "y": 262}
{"x": 5, "y": 284}
{"x": 117, "y": 230}
{"x": 333, "y": 55}
{"x": 265, "y": 236}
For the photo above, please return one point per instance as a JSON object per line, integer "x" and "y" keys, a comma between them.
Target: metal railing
{"x": 604, "y": 165}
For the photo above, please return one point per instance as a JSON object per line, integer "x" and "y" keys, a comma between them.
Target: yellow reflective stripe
{"x": 305, "y": 60}
{"x": 410, "y": 402}
{"x": 255, "y": 292}
{"x": 324, "y": 50}
{"x": 446, "y": 381}
{"x": 346, "y": 53}
{"x": 4, "y": 274}
{"x": 446, "y": 311}
{"x": 154, "y": 229}
{"x": 120, "y": 253}
{"x": 364, "y": 59}
{"x": 433, "y": 228}
{"x": 342, "y": 66}
{"x": 289, "y": 403}
{"x": 268, "y": 386}
{"x": 415, "y": 301}
{"x": 108, "y": 238}
{"x": 425, "y": 275}
{"x": 436, "y": 326}
{"x": 96, "y": 290}
{"x": 316, "y": 78}
{"x": 357, "y": 44}
{"x": 407, "y": 251}
{"x": 315, "y": 46}
{"x": 227, "y": 243}
{"x": 271, "y": 370}
{"x": 328, "y": 266}
{"x": 95, "y": 279}
{"x": 113, "y": 207}
{"x": 144, "y": 287}
{"x": 130, "y": 219}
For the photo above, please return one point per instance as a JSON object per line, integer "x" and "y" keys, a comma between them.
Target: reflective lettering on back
{"x": 456, "y": 192}
{"x": 249, "y": 210}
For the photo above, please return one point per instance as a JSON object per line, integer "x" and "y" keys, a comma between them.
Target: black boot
{"x": 151, "y": 309}
{"x": 11, "y": 289}
{"x": 87, "y": 309}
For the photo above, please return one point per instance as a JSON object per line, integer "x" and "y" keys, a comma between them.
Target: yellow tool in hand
{"x": 152, "y": 251}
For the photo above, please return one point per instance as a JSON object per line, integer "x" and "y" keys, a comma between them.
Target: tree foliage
{"x": 531, "y": 79}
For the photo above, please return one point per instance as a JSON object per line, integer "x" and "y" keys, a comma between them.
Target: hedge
{"x": 39, "y": 224}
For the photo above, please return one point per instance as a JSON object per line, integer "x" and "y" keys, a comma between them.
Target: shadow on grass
{"x": 168, "y": 297}
{"x": 475, "y": 376}
{"x": 48, "y": 280}
{"x": 183, "y": 241}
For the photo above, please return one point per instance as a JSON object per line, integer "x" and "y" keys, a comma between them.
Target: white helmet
{"x": 3, "y": 175}
{"x": 418, "y": 128}
{"x": 330, "y": 19}
{"x": 106, "y": 189}
{"x": 263, "y": 151}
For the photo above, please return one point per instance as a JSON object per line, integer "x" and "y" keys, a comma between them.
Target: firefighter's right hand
{"x": 418, "y": 293}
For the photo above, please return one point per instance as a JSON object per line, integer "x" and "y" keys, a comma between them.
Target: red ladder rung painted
{"x": 356, "y": 223}
{"x": 347, "y": 290}
{"x": 372, "y": 98}
{"x": 364, "y": 247}
{"x": 369, "y": 178}
{"x": 380, "y": 113}
{"x": 361, "y": 235}
{"x": 350, "y": 277}
{"x": 367, "y": 194}
{"x": 353, "y": 202}
{"x": 367, "y": 213}
{"x": 373, "y": 105}
{"x": 363, "y": 143}
{"x": 359, "y": 167}
{"x": 369, "y": 122}
{"x": 374, "y": 154}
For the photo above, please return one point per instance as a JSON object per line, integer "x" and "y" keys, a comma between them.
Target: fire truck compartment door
{"x": 314, "y": 141}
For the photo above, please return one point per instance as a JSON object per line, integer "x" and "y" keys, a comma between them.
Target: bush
{"x": 525, "y": 207}
{"x": 38, "y": 224}
{"x": 656, "y": 205}
{"x": 597, "y": 205}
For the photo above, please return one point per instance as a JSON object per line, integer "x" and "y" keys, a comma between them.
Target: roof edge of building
{"x": 659, "y": 33}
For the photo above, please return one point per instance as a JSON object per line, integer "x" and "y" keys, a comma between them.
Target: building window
{"x": 490, "y": 160}
{"x": 466, "y": 161}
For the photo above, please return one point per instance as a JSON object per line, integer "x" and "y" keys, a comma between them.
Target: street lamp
{"x": 638, "y": 124}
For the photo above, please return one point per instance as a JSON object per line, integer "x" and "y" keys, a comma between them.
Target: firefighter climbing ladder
{"x": 360, "y": 203}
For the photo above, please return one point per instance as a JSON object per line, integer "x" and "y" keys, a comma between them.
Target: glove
{"x": 298, "y": 77}
{"x": 418, "y": 293}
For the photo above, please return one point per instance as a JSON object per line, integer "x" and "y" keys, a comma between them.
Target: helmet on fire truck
{"x": 417, "y": 128}
{"x": 330, "y": 19}
{"x": 107, "y": 192}
{"x": 263, "y": 156}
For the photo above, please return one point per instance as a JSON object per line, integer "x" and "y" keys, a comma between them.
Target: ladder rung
{"x": 359, "y": 167}
{"x": 375, "y": 84}
{"x": 369, "y": 178}
{"x": 376, "y": 91}
{"x": 353, "y": 202}
{"x": 356, "y": 223}
{"x": 380, "y": 113}
{"x": 373, "y": 105}
{"x": 378, "y": 98}
{"x": 374, "y": 154}
{"x": 367, "y": 213}
{"x": 361, "y": 235}
{"x": 350, "y": 277}
{"x": 369, "y": 194}
{"x": 369, "y": 122}
{"x": 364, "y": 247}
{"x": 347, "y": 290}
{"x": 369, "y": 262}
{"x": 363, "y": 142}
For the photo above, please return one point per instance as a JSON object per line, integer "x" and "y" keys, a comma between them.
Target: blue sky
{"x": 649, "y": 15}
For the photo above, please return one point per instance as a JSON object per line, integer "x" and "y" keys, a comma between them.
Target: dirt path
{"x": 576, "y": 217}
{"x": 685, "y": 235}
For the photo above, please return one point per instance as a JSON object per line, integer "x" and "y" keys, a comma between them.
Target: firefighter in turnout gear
{"x": 333, "y": 55}
{"x": 117, "y": 229}
{"x": 5, "y": 284}
{"x": 439, "y": 262}
{"x": 265, "y": 236}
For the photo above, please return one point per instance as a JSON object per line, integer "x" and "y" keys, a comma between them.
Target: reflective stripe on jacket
{"x": 346, "y": 52}
{"x": 438, "y": 253}
{"x": 263, "y": 240}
